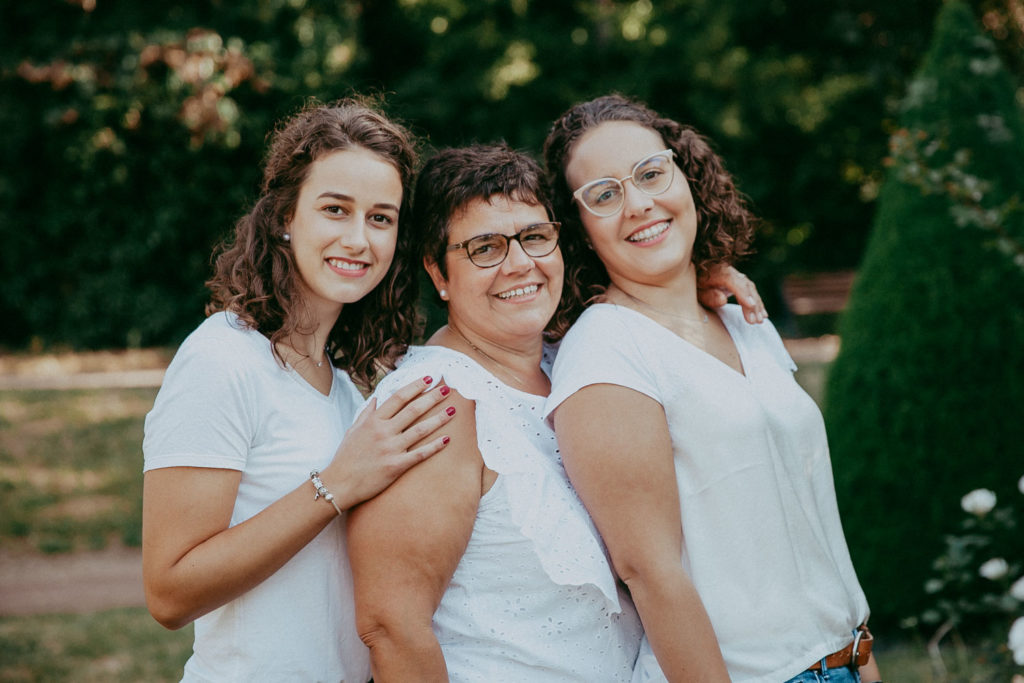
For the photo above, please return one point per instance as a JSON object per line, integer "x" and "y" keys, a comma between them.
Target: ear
{"x": 434, "y": 271}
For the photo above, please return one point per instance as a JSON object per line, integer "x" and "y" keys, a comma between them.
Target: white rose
{"x": 995, "y": 568}
{"x": 978, "y": 502}
{"x": 1016, "y": 640}
{"x": 1017, "y": 589}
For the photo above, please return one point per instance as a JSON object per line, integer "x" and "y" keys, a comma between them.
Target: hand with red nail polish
{"x": 385, "y": 441}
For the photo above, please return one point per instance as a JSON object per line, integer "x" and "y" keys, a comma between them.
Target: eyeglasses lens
{"x": 652, "y": 176}
{"x": 603, "y": 197}
{"x": 490, "y": 250}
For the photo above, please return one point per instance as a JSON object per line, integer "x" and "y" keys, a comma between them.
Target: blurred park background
{"x": 881, "y": 142}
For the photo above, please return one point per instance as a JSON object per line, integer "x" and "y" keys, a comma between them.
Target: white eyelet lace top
{"x": 533, "y": 597}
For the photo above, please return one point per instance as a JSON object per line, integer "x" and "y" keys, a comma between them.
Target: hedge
{"x": 924, "y": 400}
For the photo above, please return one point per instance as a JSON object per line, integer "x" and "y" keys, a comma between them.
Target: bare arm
{"x": 869, "y": 673}
{"x": 193, "y": 562}
{"x": 617, "y": 451}
{"x": 404, "y": 547}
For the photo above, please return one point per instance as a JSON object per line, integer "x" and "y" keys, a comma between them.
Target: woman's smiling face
{"x": 511, "y": 301}
{"x": 650, "y": 240}
{"x": 345, "y": 227}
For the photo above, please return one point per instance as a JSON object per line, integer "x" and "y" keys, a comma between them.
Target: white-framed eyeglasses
{"x": 491, "y": 249}
{"x": 651, "y": 175}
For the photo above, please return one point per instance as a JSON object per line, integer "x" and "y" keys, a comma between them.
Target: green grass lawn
{"x": 109, "y": 646}
{"x": 71, "y": 468}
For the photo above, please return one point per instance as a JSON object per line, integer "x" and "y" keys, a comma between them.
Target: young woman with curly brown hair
{"x": 245, "y": 479}
{"x": 703, "y": 464}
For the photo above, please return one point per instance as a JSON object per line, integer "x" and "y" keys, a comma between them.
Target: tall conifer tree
{"x": 926, "y": 398}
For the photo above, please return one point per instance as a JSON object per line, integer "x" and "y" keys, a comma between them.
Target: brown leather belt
{"x": 854, "y": 655}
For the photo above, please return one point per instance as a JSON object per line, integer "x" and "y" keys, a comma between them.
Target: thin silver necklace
{"x": 694, "y": 330}
{"x": 486, "y": 355}
{"x": 319, "y": 363}
{"x": 702, "y": 320}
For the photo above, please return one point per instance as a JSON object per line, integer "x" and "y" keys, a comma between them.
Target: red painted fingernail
{"x": 450, "y": 410}
{"x": 445, "y": 440}
{"x": 444, "y": 390}
{"x": 428, "y": 379}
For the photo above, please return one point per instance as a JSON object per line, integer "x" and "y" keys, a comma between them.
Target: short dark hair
{"x": 456, "y": 176}
{"x": 254, "y": 269}
{"x": 725, "y": 226}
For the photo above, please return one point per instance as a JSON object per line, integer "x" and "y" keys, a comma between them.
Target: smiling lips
{"x": 648, "y": 234}
{"x": 348, "y": 268}
{"x": 518, "y": 292}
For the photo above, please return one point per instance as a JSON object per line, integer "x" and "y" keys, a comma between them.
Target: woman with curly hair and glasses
{"x": 703, "y": 464}
{"x": 253, "y": 449}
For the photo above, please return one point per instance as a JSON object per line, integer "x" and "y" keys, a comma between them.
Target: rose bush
{"x": 977, "y": 584}
{"x": 978, "y": 502}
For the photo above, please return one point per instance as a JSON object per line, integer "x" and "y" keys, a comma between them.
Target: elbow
{"x": 384, "y": 631}
{"x": 170, "y": 613}
{"x": 641, "y": 574}
{"x": 166, "y": 615}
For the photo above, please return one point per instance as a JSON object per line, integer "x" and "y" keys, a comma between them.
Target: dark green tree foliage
{"x": 125, "y": 161}
{"x": 924, "y": 400}
{"x": 132, "y": 131}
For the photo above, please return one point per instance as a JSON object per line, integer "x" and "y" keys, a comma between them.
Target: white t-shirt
{"x": 533, "y": 598}
{"x": 762, "y": 540}
{"x": 226, "y": 402}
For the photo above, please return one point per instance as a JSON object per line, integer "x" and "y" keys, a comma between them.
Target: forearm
{"x": 230, "y": 562}
{"x": 678, "y": 627}
{"x": 869, "y": 673}
{"x": 626, "y": 478}
{"x": 405, "y": 652}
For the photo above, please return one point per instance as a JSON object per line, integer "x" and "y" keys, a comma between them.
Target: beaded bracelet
{"x": 321, "y": 490}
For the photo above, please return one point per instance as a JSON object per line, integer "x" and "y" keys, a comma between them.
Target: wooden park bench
{"x": 814, "y": 293}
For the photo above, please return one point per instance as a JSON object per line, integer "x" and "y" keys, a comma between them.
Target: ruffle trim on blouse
{"x": 543, "y": 504}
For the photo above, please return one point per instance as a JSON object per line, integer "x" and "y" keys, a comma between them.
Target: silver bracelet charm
{"x": 321, "y": 490}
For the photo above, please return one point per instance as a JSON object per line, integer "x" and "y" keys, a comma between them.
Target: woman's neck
{"x": 517, "y": 360}
{"x": 307, "y": 346}
{"x": 310, "y": 336}
{"x": 677, "y": 299}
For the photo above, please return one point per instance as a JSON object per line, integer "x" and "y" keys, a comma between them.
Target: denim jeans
{"x": 840, "y": 675}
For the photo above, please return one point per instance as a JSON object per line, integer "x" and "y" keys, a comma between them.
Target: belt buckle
{"x": 856, "y": 644}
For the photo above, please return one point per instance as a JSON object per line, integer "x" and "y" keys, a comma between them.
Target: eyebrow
{"x": 345, "y": 198}
{"x": 611, "y": 176}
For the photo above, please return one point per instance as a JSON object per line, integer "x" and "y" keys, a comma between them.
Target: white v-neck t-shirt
{"x": 762, "y": 539}
{"x": 226, "y": 402}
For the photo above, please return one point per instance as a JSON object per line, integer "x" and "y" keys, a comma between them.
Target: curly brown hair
{"x": 255, "y": 275}
{"x": 725, "y": 225}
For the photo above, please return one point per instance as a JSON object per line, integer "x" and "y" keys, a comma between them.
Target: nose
{"x": 517, "y": 260}
{"x": 634, "y": 201}
{"x": 353, "y": 236}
